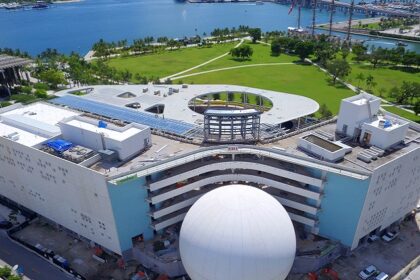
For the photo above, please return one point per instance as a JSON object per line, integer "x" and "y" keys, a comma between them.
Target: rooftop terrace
{"x": 412, "y": 142}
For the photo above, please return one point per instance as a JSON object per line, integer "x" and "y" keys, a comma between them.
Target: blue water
{"x": 76, "y": 26}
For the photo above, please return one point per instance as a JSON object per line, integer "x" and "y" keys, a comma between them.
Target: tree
{"x": 370, "y": 82}
{"x": 338, "y": 68}
{"x": 359, "y": 51}
{"x": 376, "y": 55}
{"x": 407, "y": 92}
{"x": 230, "y": 96}
{"x": 325, "y": 51}
{"x": 53, "y": 77}
{"x": 304, "y": 49}
{"x": 5, "y": 271}
{"x": 275, "y": 48}
{"x": 255, "y": 34}
{"x": 324, "y": 111}
{"x": 382, "y": 90}
{"x": 416, "y": 108}
{"x": 242, "y": 52}
{"x": 360, "y": 77}
{"x": 409, "y": 58}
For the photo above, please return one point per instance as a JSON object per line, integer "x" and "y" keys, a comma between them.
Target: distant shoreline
{"x": 66, "y": 1}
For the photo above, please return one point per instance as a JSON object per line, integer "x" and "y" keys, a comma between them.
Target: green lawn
{"x": 306, "y": 80}
{"x": 370, "y": 26}
{"x": 262, "y": 54}
{"x": 168, "y": 62}
{"x": 386, "y": 77}
{"x": 402, "y": 113}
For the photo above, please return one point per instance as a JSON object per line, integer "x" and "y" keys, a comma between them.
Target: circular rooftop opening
{"x": 230, "y": 100}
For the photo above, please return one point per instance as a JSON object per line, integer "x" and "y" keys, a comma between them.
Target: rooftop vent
{"x": 13, "y": 136}
{"x": 126, "y": 95}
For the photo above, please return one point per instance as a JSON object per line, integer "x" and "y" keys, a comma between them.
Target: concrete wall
{"x": 341, "y": 207}
{"x": 66, "y": 193}
{"x": 394, "y": 191}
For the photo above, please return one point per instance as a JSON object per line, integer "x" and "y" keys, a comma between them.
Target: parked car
{"x": 5, "y": 224}
{"x": 389, "y": 236}
{"x": 368, "y": 272}
{"x": 372, "y": 238}
{"x": 382, "y": 276}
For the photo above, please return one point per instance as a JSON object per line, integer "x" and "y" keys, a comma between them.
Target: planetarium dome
{"x": 237, "y": 232}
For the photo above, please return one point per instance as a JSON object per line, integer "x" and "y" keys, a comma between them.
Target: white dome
{"x": 237, "y": 232}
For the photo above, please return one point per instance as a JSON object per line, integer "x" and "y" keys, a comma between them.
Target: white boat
{"x": 259, "y": 3}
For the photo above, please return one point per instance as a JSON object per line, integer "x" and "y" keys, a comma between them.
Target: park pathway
{"x": 233, "y": 67}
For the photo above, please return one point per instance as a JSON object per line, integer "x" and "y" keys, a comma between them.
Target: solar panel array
{"x": 166, "y": 125}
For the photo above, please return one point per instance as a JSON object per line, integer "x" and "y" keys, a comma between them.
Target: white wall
{"x": 393, "y": 192}
{"x": 130, "y": 146}
{"x": 93, "y": 140}
{"x": 83, "y": 137}
{"x": 382, "y": 138}
{"x": 325, "y": 154}
{"x": 353, "y": 115}
{"x": 71, "y": 195}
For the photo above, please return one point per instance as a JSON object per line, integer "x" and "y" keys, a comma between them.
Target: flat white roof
{"x": 394, "y": 123}
{"x": 361, "y": 101}
{"x": 285, "y": 106}
{"x": 25, "y": 138}
{"x": 109, "y": 133}
{"x": 33, "y": 124}
{"x": 43, "y": 112}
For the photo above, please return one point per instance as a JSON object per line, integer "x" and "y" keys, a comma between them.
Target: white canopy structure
{"x": 237, "y": 232}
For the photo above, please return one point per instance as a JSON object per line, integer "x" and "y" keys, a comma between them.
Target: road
{"x": 34, "y": 266}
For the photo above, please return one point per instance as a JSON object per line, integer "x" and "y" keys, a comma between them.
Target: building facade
{"x": 152, "y": 181}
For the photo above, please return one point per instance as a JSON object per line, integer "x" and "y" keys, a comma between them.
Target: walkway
{"x": 233, "y": 67}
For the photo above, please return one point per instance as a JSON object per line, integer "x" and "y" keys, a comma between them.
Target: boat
{"x": 259, "y": 3}
{"x": 401, "y": 44}
{"x": 40, "y": 5}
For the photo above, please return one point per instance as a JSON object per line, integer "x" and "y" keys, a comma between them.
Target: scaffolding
{"x": 232, "y": 126}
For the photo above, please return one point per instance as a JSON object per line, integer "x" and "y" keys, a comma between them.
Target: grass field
{"x": 262, "y": 54}
{"x": 168, "y": 62}
{"x": 305, "y": 80}
{"x": 402, "y": 113}
{"x": 386, "y": 77}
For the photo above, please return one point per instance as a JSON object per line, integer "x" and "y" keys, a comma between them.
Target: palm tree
{"x": 370, "y": 82}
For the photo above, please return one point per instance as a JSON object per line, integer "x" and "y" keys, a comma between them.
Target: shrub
{"x": 26, "y": 89}
{"x": 40, "y": 93}
{"x": 23, "y": 98}
{"x": 41, "y": 86}
{"x": 5, "y": 104}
